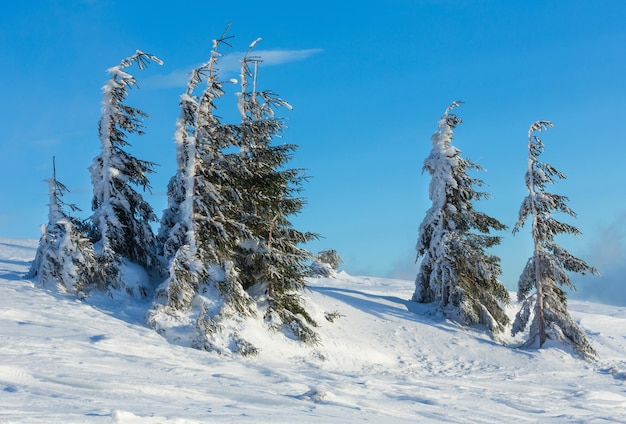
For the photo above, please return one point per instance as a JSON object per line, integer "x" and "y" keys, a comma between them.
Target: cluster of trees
{"x": 226, "y": 249}
{"x": 459, "y": 275}
{"x": 226, "y": 252}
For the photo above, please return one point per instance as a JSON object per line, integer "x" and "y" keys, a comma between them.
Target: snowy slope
{"x": 67, "y": 361}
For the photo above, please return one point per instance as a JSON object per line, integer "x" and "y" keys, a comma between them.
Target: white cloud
{"x": 229, "y": 64}
{"x": 176, "y": 78}
{"x": 608, "y": 254}
{"x": 275, "y": 57}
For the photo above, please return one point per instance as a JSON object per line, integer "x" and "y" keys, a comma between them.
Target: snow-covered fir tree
{"x": 230, "y": 249}
{"x": 199, "y": 233}
{"x": 455, "y": 270}
{"x": 272, "y": 263}
{"x": 540, "y": 287}
{"x": 65, "y": 259}
{"x": 325, "y": 264}
{"x": 121, "y": 217}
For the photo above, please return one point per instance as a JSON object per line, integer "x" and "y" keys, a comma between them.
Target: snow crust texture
{"x": 381, "y": 359}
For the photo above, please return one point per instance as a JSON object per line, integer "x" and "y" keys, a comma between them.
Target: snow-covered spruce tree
{"x": 325, "y": 264}
{"x": 177, "y": 222}
{"x": 272, "y": 263}
{"x": 65, "y": 259}
{"x": 455, "y": 270}
{"x": 198, "y": 230}
{"x": 543, "y": 301}
{"x": 121, "y": 217}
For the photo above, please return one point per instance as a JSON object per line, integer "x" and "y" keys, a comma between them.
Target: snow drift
{"x": 381, "y": 359}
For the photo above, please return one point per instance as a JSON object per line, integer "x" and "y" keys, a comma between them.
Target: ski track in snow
{"x": 383, "y": 359}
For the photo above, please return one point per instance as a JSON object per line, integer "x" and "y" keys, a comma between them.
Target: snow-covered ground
{"x": 382, "y": 360}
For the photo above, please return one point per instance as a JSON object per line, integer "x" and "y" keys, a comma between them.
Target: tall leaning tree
{"x": 455, "y": 270}
{"x": 226, "y": 237}
{"x": 199, "y": 231}
{"x": 272, "y": 261}
{"x": 121, "y": 217}
{"x": 543, "y": 300}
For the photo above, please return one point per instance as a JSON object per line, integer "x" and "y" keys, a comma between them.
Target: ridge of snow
{"x": 383, "y": 359}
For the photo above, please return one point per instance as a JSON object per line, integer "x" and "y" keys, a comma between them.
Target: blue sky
{"x": 367, "y": 84}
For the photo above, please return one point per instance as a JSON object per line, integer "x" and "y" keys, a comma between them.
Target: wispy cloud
{"x": 230, "y": 65}
{"x": 406, "y": 267}
{"x": 608, "y": 254}
{"x": 231, "y": 62}
{"x": 176, "y": 78}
